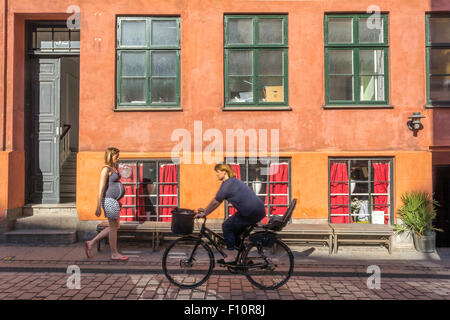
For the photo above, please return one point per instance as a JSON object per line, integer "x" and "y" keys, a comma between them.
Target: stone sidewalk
{"x": 349, "y": 259}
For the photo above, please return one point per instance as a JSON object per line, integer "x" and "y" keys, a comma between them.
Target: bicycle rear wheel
{"x": 268, "y": 267}
{"x": 188, "y": 262}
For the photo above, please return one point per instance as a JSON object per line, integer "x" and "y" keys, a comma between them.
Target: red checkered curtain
{"x": 129, "y": 198}
{"x": 278, "y": 177}
{"x": 237, "y": 171}
{"x": 168, "y": 193}
{"x": 381, "y": 185}
{"x": 339, "y": 184}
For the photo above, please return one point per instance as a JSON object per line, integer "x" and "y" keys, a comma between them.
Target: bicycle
{"x": 265, "y": 260}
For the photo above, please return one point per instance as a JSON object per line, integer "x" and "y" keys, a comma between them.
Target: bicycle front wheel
{"x": 268, "y": 267}
{"x": 188, "y": 262}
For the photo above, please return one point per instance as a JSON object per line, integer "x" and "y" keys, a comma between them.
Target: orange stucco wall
{"x": 309, "y": 180}
{"x": 308, "y": 133}
{"x": 12, "y": 182}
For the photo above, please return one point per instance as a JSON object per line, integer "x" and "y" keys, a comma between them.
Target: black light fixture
{"x": 414, "y": 124}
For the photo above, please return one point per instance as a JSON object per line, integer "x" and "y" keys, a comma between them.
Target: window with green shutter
{"x": 256, "y": 60}
{"x": 148, "y": 62}
{"x": 438, "y": 59}
{"x": 356, "y": 60}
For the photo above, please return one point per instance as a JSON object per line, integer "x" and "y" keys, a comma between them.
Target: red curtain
{"x": 381, "y": 185}
{"x": 339, "y": 204}
{"x": 167, "y": 173}
{"x": 139, "y": 195}
{"x": 237, "y": 171}
{"x": 278, "y": 177}
{"x": 128, "y": 214}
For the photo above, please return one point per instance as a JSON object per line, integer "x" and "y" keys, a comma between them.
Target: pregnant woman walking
{"x": 110, "y": 192}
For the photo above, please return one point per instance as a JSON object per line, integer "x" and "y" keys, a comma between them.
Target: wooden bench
{"x": 362, "y": 233}
{"x": 309, "y": 233}
{"x": 132, "y": 229}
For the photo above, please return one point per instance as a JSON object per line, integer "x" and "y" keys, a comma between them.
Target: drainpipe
{"x": 5, "y": 52}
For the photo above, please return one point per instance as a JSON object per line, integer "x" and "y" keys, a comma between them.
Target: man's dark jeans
{"x": 234, "y": 226}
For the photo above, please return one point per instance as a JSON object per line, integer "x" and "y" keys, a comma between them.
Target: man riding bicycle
{"x": 250, "y": 208}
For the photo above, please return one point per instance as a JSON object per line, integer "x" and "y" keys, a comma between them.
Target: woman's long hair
{"x": 225, "y": 167}
{"x": 109, "y": 154}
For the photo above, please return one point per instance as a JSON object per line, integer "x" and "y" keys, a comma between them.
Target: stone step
{"x": 42, "y": 236}
{"x": 67, "y": 187}
{"x": 69, "y": 172}
{"x": 60, "y": 216}
{"x": 69, "y": 165}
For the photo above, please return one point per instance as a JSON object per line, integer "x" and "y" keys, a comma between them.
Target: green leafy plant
{"x": 417, "y": 213}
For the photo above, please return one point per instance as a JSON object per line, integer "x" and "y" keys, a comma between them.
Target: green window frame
{"x": 360, "y": 50}
{"x": 256, "y": 96}
{"x": 443, "y": 46}
{"x": 154, "y": 66}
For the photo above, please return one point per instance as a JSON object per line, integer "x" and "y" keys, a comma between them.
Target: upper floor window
{"x": 356, "y": 60}
{"x": 438, "y": 58}
{"x": 256, "y": 60}
{"x": 148, "y": 62}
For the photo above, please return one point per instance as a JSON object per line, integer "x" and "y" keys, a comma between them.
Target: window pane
{"x": 240, "y": 89}
{"x": 440, "y": 61}
{"x": 271, "y": 62}
{"x": 75, "y": 39}
{"x": 359, "y": 170}
{"x": 270, "y": 31}
{"x": 44, "y": 39}
{"x": 61, "y": 39}
{"x": 371, "y": 62}
{"x": 240, "y": 62}
{"x": 164, "y": 64}
{"x": 271, "y": 89}
{"x": 133, "y": 63}
{"x": 340, "y": 30}
{"x": 439, "y": 30}
{"x": 341, "y": 87}
{"x": 163, "y": 90}
{"x": 340, "y": 61}
{"x": 240, "y": 31}
{"x": 358, "y": 188}
{"x": 133, "y": 33}
{"x": 440, "y": 88}
{"x": 149, "y": 172}
{"x": 372, "y": 88}
{"x": 360, "y": 208}
{"x": 132, "y": 91}
{"x": 164, "y": 32}
{"x": 371, "y": 30}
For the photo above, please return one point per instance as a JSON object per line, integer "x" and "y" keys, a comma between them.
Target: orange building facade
{"x": 335, "y": 129}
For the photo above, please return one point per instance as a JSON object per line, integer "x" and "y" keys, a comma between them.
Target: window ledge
{"x": 437, "y": 105}
{"x": 358, "y": 106}
{"x": 145, "y": 109}
{"x": 257, "y": 108}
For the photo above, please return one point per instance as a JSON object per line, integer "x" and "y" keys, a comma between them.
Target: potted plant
{"x": 417, "y": 214}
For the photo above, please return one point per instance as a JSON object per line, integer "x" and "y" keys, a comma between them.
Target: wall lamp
{"x": 414, "y": 124}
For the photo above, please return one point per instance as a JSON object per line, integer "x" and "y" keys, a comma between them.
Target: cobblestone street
{"x": 54, "y": 286}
